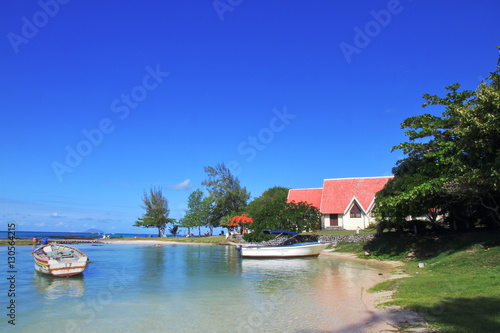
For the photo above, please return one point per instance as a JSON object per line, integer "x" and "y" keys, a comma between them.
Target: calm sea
{"x": 184, "y": 288}
{"x": 63, "y": 235}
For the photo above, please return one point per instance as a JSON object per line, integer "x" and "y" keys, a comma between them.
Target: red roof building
{"x": 311, "y": 196}
{"x": 346, "y": 203}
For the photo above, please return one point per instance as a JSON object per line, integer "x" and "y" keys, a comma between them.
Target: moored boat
{"x": 59, "y": 260}
{"x": 311, "y": 249}
{"x": 304, "y": 249}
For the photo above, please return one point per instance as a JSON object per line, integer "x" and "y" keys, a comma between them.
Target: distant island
{"x": 94, "y": 231}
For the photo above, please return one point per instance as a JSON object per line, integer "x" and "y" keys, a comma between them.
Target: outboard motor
{"x": 238, "y": 248}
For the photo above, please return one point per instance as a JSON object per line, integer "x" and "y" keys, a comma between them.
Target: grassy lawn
{"x": 458, "y": 290}
{"x": 340, "y": 232}
{"x": 5, "y": 242}
{"x": 195, "y": 240}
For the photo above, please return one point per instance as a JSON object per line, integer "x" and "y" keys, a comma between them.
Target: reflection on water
{"x": 55, "y": 287}
{"x": 189, "y": 288}
{"x": 278, "y": 266}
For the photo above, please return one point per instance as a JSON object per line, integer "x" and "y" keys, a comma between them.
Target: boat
{"x": 306, "y": 249}
{"x": 59, "y": 260}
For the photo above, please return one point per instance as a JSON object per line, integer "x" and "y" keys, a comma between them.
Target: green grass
{"x": 356, "y": 248}
{"x": 215, "y": 240}
{"x": 340, "y": 232}
{"x": 458, "y": 290}
{"x": 18, "y": 242}
{"x": 195, "y": 240}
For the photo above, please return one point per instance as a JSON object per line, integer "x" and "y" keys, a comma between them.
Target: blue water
{"x": 62, "y": 235}
{"x": 183, "y": 288}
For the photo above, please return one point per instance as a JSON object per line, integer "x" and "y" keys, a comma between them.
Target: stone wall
{"x": 334, "y": 239}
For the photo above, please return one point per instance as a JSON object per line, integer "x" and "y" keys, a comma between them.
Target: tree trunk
{"x": 495, "y": 209}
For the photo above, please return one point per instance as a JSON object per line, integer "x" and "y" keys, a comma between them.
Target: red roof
{"x": 310, "y": 195}
{"x": 337, "y": 194}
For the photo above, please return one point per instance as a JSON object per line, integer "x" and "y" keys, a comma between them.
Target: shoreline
{"x": 383, "y": 318}
{"x": 143, "y": 241}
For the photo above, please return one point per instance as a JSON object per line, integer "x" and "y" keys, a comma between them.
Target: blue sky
{"x": 102, "y": 100}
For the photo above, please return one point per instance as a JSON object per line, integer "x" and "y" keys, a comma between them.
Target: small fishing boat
{"x": 59, "y": 260}
{"x": 307, "y": 249}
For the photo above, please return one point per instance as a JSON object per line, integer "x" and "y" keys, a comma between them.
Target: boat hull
{"x": 285, "y": 251}
{"x": 59, "y": 260}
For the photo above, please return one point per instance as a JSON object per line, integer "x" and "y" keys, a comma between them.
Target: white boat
{"x": 59, "y": 260}
{"x": 311, "y": 249}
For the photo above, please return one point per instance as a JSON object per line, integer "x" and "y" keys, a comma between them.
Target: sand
{"x": 377, "y": 317}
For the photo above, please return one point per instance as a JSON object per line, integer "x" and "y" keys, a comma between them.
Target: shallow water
{"x": 186, "y": 288}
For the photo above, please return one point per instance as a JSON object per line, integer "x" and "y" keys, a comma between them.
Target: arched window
{"x": 355, "y": 211}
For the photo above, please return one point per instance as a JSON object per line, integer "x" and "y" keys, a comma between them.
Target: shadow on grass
{"x": 469, "y": 315}
{"x": 398, "y": 245}
{"x": 459, "y": 315}
{"x": 386, "y": 321}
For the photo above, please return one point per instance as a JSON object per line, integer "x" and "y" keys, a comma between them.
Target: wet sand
{"x": 377, "y": 318}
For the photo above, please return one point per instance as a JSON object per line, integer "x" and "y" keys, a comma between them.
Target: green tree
{"x": 156, "y": 215}
{"x": 271, "y": 211}
{"x": 478, "y": 168}
{"x": 269, "y": 205}
{"x": 226, "y": 196}
{"x": 174, "y": 230}
{"x": 452, "y": 161}
{"x": 198, "y": 211}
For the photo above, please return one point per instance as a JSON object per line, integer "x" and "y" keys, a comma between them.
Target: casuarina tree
{"x": 156, "y": 211}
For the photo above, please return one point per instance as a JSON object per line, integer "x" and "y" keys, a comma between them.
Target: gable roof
{"x": 310, "y": 195}
{"x": 338, "y": 194}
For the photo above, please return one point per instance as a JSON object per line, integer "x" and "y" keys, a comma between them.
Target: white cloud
{"x": 56, "y": 215}
{"x": 184, "y": 185}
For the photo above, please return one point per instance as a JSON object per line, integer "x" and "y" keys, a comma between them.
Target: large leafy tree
{"x": 271, "y": 211}
{"x": 226, "y": 196}
{"x": 452, "y": 161}
{"x": 269, "y": 205}
{"x": 156, "y": 211}
{"x": 478, "y": 169}
{"x": 198, "y": 211}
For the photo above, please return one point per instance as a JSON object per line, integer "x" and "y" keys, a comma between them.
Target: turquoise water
{"x": 184, "y": 288}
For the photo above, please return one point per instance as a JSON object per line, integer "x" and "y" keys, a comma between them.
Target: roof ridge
{"x": 359, "y": 178}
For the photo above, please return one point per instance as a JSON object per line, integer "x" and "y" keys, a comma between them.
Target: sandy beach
{"x": 378, "y": 318}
